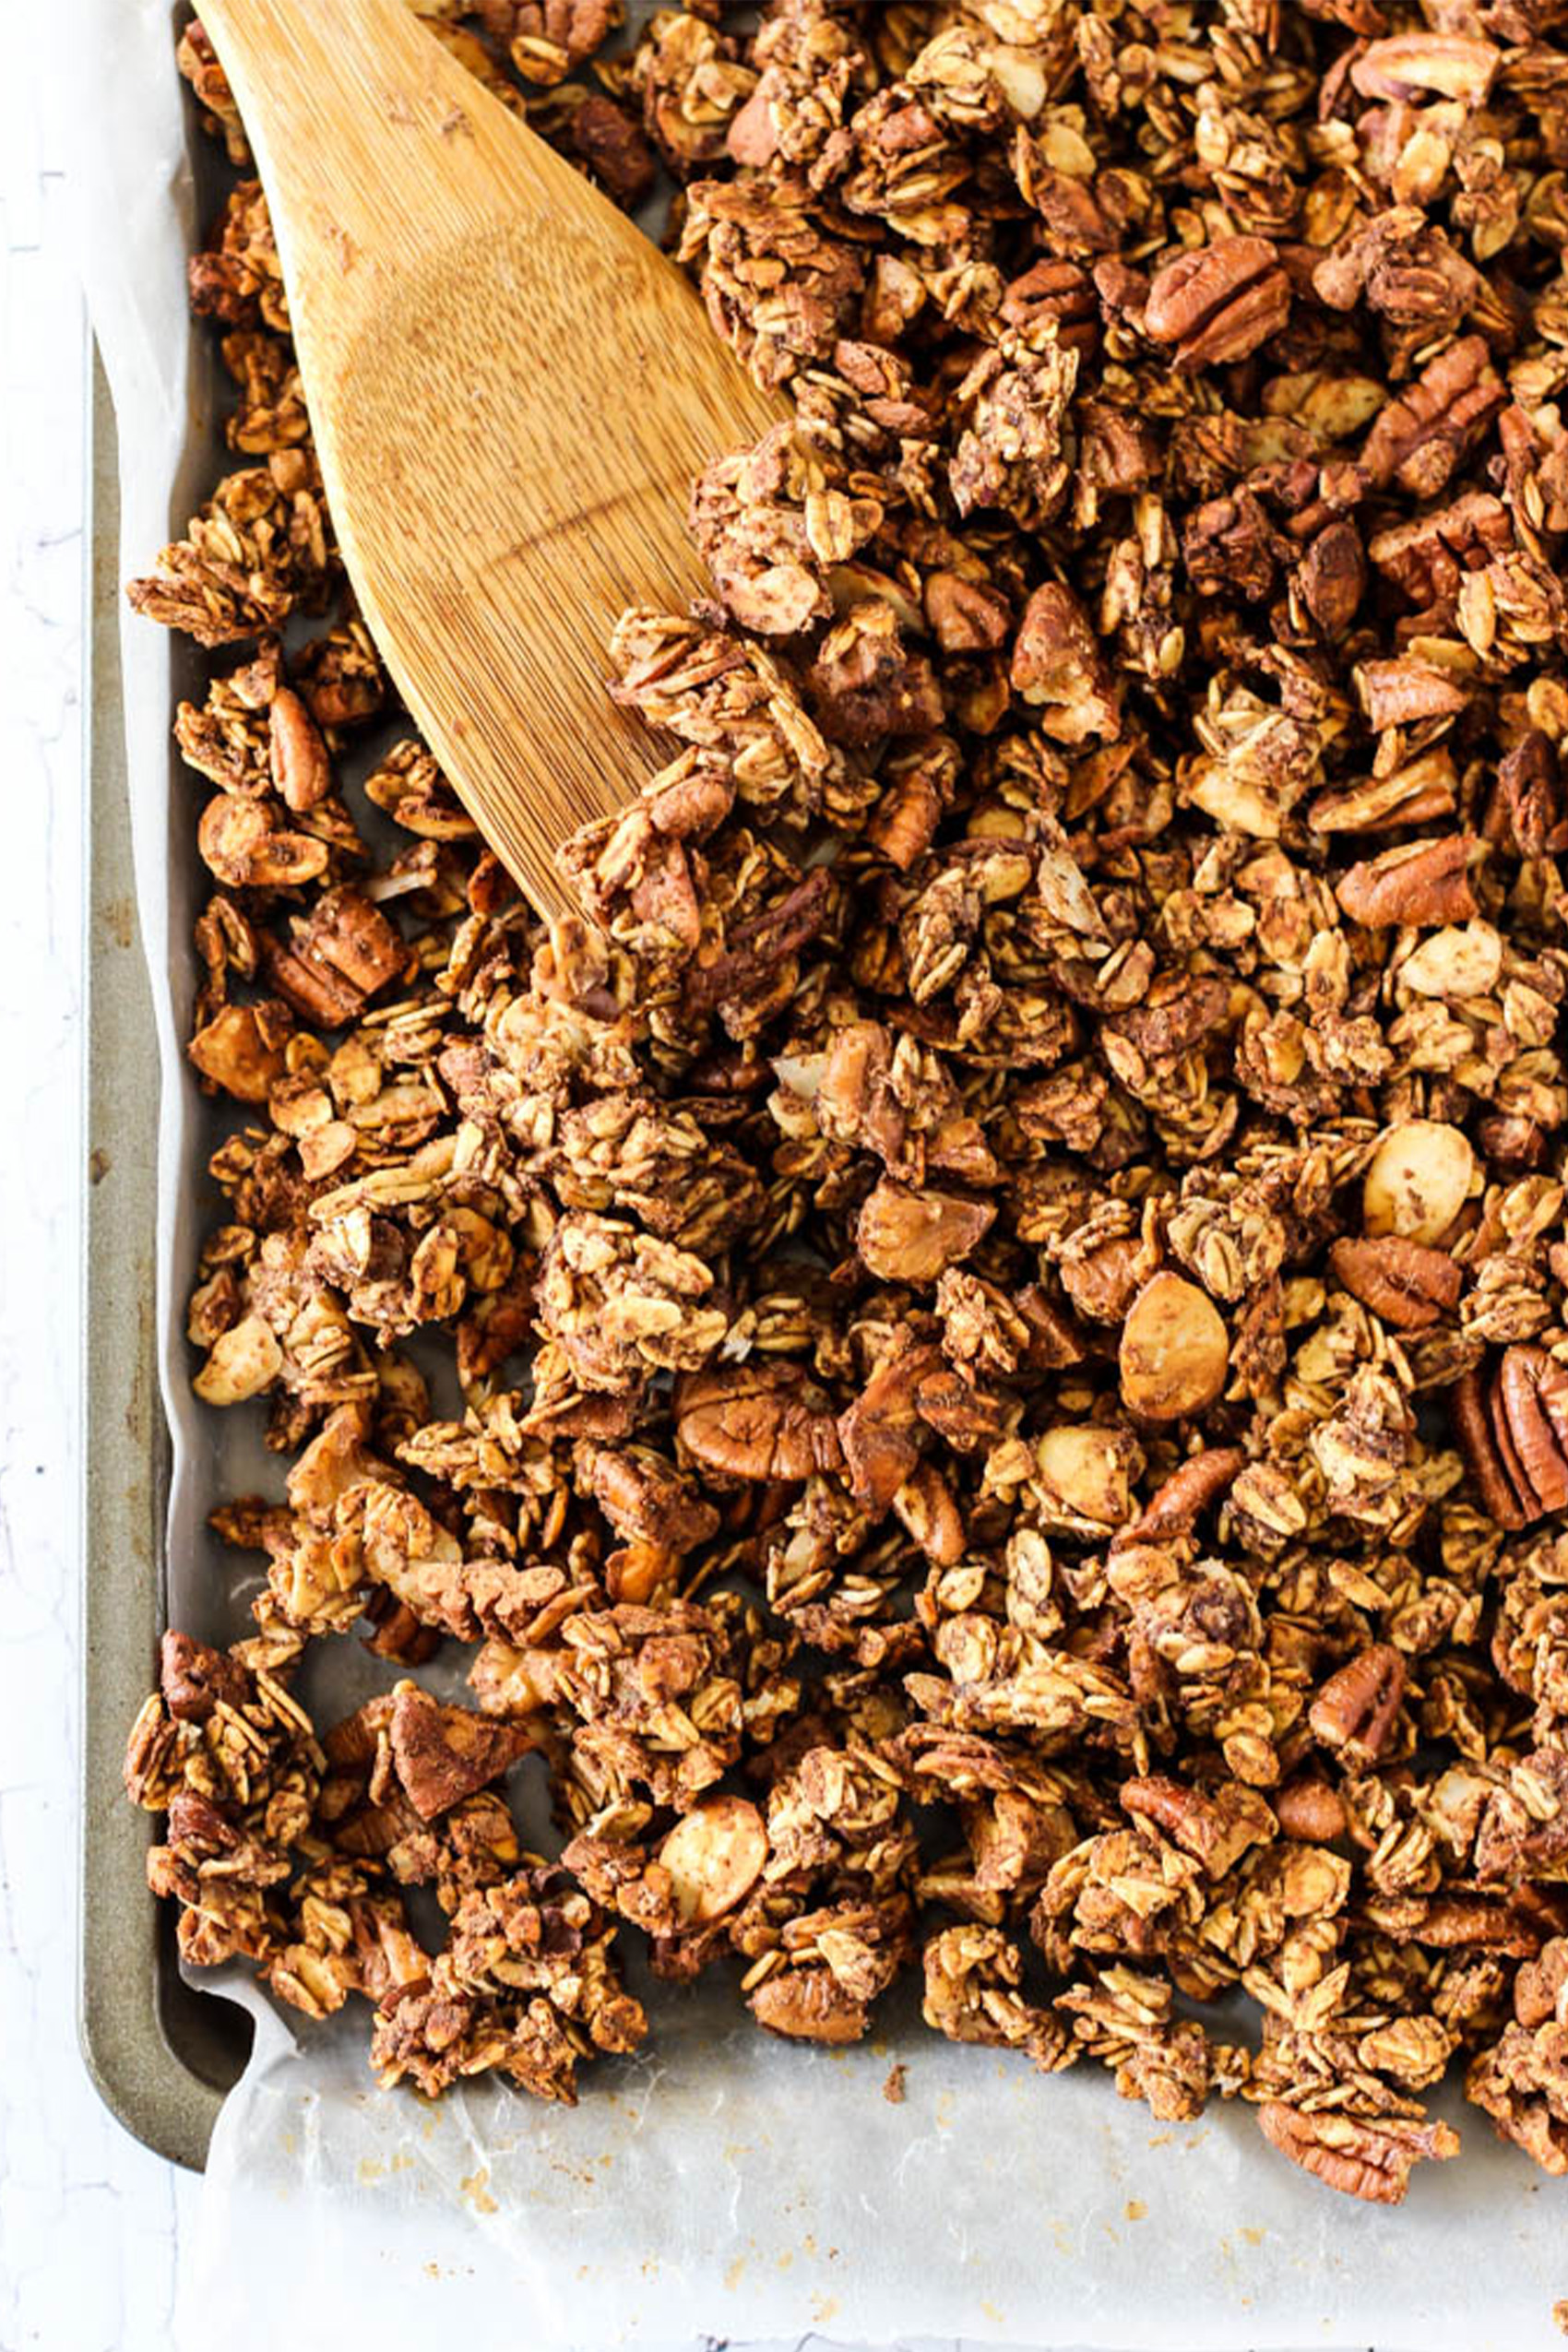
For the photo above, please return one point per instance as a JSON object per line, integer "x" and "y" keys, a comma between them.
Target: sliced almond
{"x": 714, "y": 1857}
{"x": 1175, "y": 1350}
{"x": 1417, "y": 1180}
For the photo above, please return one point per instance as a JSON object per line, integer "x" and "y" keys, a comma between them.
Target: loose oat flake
{"x": 1008, "y": 1275}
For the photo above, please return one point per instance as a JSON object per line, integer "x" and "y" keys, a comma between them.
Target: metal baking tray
{"x": 161, "y": 2054}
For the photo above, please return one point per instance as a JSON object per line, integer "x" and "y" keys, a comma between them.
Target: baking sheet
{"x": 719, "y": 2181}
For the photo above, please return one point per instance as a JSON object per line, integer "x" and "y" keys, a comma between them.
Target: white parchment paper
{"x": 720, "y": 2181}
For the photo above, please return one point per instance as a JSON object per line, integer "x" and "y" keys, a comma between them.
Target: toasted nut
{"x": 924, "y": 1507}
{"x": 1423, "y": 882}
{"x": 1184, "y": 1495}
{"x": 810, "y": 2005}
{"x": 1412, "y": 64}
{"x": 239, "y": 842}
{"x": 513, "y": 1681}
{"x": 715, "y": 1857}
{"x": 1218, "y": 303}
{"x": 1332, "y": 576}
{"x": 906, "y": 1235}
{"x": 445, "y": 1753}
{"x": 302, "y": 773}
{"x": 244, "y": 1361}
{"x": 1059, "y": 668}
{"x": 1402, "y": 692}
{"x": 752, "y": 1421}
{"x": 1460, "y": 963}
{"x": 1408, "y": 1286}
{"x": 1089, "y": 1471}
{"x": 1175, "y": 1350}
{"x": 1418, "y": 1180}
{"x": 1533, "y": 1391}
{"x": 1471, "y": 1410}
{"x": 1355, "y": 1709}
{"x": 1216, "y": 1827}
{"x": 1368, "y": 2158}
{"x": 1533, "y": 795}
{"x": 241, "y": 1052}
{"x": 635, "y": 1571}
{"x": 1310, "y": 1809}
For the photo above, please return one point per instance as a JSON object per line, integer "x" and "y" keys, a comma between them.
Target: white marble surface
{"x": 91, "y": 2223}
{"x": 89, "y": 2220}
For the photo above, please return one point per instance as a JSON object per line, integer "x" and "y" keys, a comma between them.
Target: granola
{"x": 1007, "y": 1278}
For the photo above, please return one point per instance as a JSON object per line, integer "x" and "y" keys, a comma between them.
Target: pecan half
{"x": 1366, "y": 2156}
{"x": 1420, "y": 882}
{"x": 302, "y": 773}
{"x": 1533, "y": 1390}
{"x": 1402, "y": 1282}
{"x": 1219, "y": 303}
{"x": 1470, "y": 1412}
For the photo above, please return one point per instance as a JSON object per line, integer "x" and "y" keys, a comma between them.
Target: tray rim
{"x": 160, "y": 2054}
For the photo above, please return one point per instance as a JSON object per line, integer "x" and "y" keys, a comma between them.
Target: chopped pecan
{"x": 340, "y": 956}
{"x": 1331, "y": 577}
{"x": 1183, "y": 1496}
{"x": 445, "y": 1753}
{"x": 1418, "y": 439}
{"x": 1355, "y": 1710}
{"x": 908, "y": 1234}
{"x": 1060, "y": 671}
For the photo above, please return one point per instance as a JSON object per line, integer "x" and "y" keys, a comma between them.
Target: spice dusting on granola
{"x": 1007, "y": 1281}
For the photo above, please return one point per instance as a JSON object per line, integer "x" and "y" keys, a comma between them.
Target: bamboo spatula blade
{"x": 510, "y": 391}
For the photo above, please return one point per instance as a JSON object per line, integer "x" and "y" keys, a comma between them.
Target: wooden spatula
{"x": 510, "y": 390}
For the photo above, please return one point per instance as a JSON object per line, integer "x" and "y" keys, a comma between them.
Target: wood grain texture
{"x": 510, "y": 390}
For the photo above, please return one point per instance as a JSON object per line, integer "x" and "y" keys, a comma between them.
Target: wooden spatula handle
{"x": 356, "y": 115}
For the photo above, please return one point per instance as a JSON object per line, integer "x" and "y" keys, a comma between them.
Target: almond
{"x": 1417, "y": 1180}
{"x": 1175, "y": 1351}
{"x": 1089, "y": 1471}
{"x": 714, "y": 1857}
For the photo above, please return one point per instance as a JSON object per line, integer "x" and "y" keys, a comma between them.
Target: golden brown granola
{"x": 1008, "y": 1280}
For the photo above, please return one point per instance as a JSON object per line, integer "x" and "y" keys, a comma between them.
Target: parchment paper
{"x": 720, "y": 2183}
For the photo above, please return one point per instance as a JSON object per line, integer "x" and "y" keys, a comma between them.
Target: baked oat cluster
{"x": 1003, "y": 1289}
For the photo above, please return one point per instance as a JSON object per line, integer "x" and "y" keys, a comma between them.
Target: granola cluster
{"x": 1004, "y": 1289}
